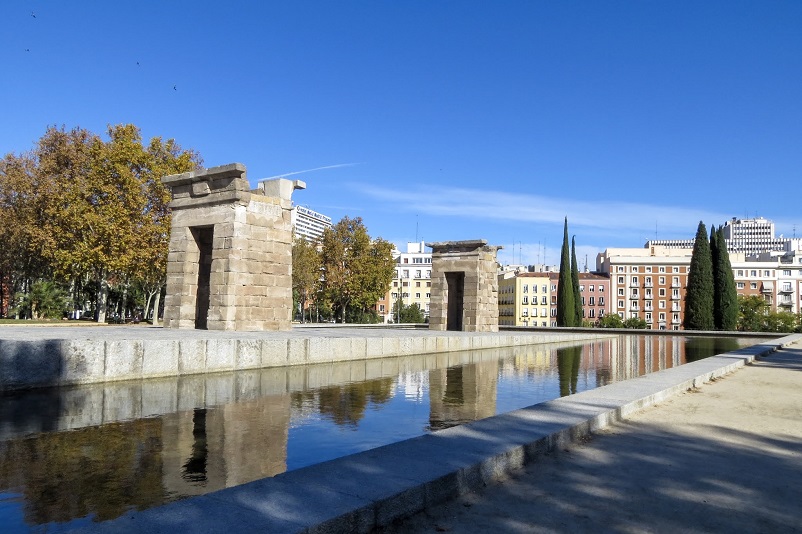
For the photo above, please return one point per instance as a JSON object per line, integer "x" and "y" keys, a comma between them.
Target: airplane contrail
{"x": 310, "y": 170}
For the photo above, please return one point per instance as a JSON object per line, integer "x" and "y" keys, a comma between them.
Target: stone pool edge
{"x": 32, "y": 358}
{"x": 363, "y": 491}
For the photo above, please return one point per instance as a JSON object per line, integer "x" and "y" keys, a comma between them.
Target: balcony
{"x": 675, "y": 297}
{"x": 648, "y": 308}
{"x": 675, "y": 320}
{"x": 675, "y": 307}
{"x": 634, "y": 296}
{"x": 648, "y": 284}
{"x": 786, "y": 289}
{"x": 675, "y": 284}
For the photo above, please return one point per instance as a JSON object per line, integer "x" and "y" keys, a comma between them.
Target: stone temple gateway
{"x": 229, "y": 265}
{"x": 464, "y": 286}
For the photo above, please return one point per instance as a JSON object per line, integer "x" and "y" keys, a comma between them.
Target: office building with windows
{"x": 309, "y": 224}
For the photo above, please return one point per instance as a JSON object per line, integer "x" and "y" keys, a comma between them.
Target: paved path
{"x": 723, "y": 458}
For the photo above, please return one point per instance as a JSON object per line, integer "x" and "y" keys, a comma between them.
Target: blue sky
{"x": 445, "y": 120}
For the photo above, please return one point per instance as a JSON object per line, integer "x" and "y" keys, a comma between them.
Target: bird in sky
{"x": 174, "y": 89}
{"x": 137, "y": 63}
{"x": 33, "y": 14}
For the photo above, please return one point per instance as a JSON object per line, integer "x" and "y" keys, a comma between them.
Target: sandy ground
{"x": 723, "y": 458}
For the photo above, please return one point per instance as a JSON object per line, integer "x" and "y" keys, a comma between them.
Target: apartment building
{"x": 523, "y": 298}
{"x": 647, "y": 283}
{"x": 650, "y": 283}
{"x": 752, "y": 237}
{"x": 412, "y": 282}
{"x": 308, "y": 223}
{"x": 594, "y": 294}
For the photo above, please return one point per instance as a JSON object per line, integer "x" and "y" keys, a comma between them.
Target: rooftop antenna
{"x": 416, "y": 228}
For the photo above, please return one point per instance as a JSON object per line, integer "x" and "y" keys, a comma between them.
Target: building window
{"x": 601, "y": 301}
{"x": 648, "y": 317}
{"x": 661, "y": 316}
{"x": 545, "y": 289}
{"x": 661, "y": 280}
{"x": 601, "y": 289}
{"x": 766, "y": 273}
{"x": 417, "y": 284}
{"x": 554, "y": 287}
{"x": 417, "y": 295}
{"x": 634, "y": 269}
{"x": 526, "y": 288}
{"x": 648, "y": 269}
{"x": 740, "y": 285}
{"x": 525, "y": 300}
{"x": 620, "y": 291}
{"x": 740, "y": 272}
{"x": 591, "y": 288}
{"x": 581, "y": 287}
{"x": 787, "y": 272}
{"x": 544, "y": 300}
{"x": 534, "y": 288}
{"x": 661, "y": 292}
{"x": 675, "y": 270}
{"x": 620, "y": 303}
{"x": 428, "y": 295}
{"x": 620, "y": 268}
{"x": 753, "y": 285}
{"x": 662, "y": 305}
{"x": 620, "y": 279}
{"x": 590, "y": 301}
{"x": 592, "y": 313}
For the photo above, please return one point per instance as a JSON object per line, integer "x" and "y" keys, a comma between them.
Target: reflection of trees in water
{"x": 568, "y": 360}
{"x": 697, "y": 348}
{"x": 102, "y": 470}
{"x": 346, "y": 404}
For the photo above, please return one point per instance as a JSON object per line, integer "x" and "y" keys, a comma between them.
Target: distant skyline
{"x": 445, "y": 120}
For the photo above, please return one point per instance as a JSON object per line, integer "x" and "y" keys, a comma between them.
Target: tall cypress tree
{"x": 714, "y": 256}
{"x": 566, "y": 312}
{"x": 725, "y": 306}
{"x": 575, "y": 282}
{"x": 699, "y": 293}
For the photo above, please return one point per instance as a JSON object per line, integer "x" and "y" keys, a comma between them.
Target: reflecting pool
{"x": 74, "y": 455}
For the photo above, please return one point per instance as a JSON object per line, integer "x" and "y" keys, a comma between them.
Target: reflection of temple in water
{"x": 210, "y": 449}
{"x": 461, "y": 394}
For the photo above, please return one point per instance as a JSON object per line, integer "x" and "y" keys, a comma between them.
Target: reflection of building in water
{"x": 461, "y": 394}
{"x": 215, "y": 448}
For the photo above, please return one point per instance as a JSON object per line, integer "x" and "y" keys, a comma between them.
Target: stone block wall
{"x": 243, "y": 240}
{"x": 476, "y": 261}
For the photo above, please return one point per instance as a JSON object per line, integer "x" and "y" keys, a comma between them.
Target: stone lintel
{"x": 232, "y": 170}
{"x": 470, "y": 245}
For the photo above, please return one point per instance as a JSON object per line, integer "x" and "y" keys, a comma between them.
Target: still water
{"x": 74, "y": 455}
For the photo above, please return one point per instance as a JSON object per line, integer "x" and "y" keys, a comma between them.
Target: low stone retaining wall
{"x": 39, "y": 357}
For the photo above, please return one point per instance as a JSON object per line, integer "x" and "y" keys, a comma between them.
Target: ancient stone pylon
{"x": 229, "y": 265}
{"x": 464, "y": 286}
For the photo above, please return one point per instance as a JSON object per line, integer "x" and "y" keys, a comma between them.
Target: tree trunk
{"x": 156, "y": 307}
{"x": 147, "y": 305}
{"x": 102, "y": 299}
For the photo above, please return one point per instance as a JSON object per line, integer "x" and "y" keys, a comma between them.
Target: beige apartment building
{"x": 523, "y": 299}
{"x": 412, "y": 282}
{"x": 530, "y": 298}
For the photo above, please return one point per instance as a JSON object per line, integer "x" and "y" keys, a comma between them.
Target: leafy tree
{"x": 725, "y": 299}
{"x": 305, "y": 272}
{"x": 752, "y": 311}
{"x": 575, "y": 283}
{"x": 781, "y": 322}
{"x": 635, "y": 322}
{"x": 96, "y": 208}
{"x": 566, "y": 310}
{"x": 611, "y": 320}
{"x": 699, "y": 293}
{"x": 409, "y": 313}
{"x": 357, "y": 270}
{"x": 44, "y": 300}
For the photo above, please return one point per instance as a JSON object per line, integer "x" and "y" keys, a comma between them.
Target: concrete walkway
{"x": 725, "y": 457}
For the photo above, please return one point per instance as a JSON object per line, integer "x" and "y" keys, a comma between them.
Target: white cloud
{"x": 602, "y": 216}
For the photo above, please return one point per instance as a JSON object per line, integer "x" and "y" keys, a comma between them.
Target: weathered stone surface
{"x": 247, "y": 238}
{"x": 477, "y": 263}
